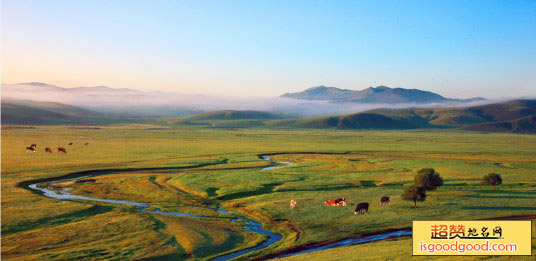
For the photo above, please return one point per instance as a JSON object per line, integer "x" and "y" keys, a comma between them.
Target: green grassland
{"x": 195, "y": 169}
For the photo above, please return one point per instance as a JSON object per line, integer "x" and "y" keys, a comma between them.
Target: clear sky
{"x": 265, "y": 48}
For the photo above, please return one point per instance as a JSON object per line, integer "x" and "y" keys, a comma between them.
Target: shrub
{"x": 492, "y": 179}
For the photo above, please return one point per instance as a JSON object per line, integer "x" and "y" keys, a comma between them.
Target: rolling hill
{"x": 353, "y": 121}
{"x": 380, "y": 94}
{"x": 521, "y": 125}
{"x": 25, "y": 112}
{"x": 234, "y": 115}
{"x": 515, "y": 116}
{"x": 463, "y": 116}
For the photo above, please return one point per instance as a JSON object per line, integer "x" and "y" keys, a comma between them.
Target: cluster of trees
{"x": 425, "y": 179}
{"x": 428, "y": 179}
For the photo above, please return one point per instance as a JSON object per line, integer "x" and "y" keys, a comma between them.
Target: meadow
{"x": 195, "y": 169}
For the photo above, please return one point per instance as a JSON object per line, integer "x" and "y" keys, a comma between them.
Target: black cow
{"x": 33, "y": 146}
{"x": 360, "y": 207}
{"x": 385, "y": 200}
{"x": 70, "y": 143}
{"x": 30, "y": 149}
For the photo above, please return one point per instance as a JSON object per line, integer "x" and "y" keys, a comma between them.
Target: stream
{"x": 267, "y": 158}
{"x": 249, "y": 225}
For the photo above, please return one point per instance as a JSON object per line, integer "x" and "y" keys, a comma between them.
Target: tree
{"x": 428, "y": 179}
{"x": 413, "y": 193}
{"x": 492, "y": 179}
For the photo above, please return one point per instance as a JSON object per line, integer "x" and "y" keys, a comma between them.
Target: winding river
{"x": 249, "y": 225}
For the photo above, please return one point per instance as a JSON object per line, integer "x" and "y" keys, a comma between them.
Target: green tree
{"x": 413, "y": 193}
{"x": 428, "y": 179}
{"x": 492, "y": 179}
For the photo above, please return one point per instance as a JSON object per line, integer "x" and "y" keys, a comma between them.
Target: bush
{"x": 492, "y": 179}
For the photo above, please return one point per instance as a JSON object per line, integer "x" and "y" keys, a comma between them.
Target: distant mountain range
{"x": 115, "y": 102}
{"x": 41, "y": 104}
{"x": 380, "y": 94}
{"x": 513, "y": 116}
{"x": 123, "y": 102}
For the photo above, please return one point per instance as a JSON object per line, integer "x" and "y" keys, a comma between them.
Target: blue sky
{"x": 266, "y": 48}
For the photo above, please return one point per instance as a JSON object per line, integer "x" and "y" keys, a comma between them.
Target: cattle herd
{"x": 33, "y": 147}
{"x": 361, "y": 208}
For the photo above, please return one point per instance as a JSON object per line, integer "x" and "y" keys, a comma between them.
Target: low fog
{"x": 128, "y": 102}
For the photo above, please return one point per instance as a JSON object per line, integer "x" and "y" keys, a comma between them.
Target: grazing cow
{"x": 360, "y": 207}
{"x": 336, "y": 202}
{"x": 330, "y": 202}
{"x": 87, "y": 143}
{"x": 48, "y": 150}
{"x": 70, "y": 143}
{"x": 61, "y": 149}
{"x": 293, "y": 203}
{"x": 30, "y": 149}
{"x": 385, "y": 200}
{"x": 340, "y": 201}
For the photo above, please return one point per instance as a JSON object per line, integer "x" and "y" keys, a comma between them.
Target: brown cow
{"x": 87, "y": 143}
{"x": 48, "y": 150}
{"x": 30, "y": 149}
{"x": 61, "y": 149}
{"x": 330, "y": 202}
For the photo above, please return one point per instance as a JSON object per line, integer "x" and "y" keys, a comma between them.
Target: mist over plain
{"x": 161, "y": 104}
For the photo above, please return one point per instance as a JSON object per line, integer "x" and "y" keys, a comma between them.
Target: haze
{"x": 457, "y": 49}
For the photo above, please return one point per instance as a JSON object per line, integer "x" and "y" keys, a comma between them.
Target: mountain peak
{"x": 317, "y": 87}
{"x": 318, "y": 93}
{"x": 381, "y": 87}
{"x": 323, "y": 87}
{"x": 36, "y": 84}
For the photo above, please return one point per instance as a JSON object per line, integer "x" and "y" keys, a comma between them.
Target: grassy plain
{"x": 153, "y": 165}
